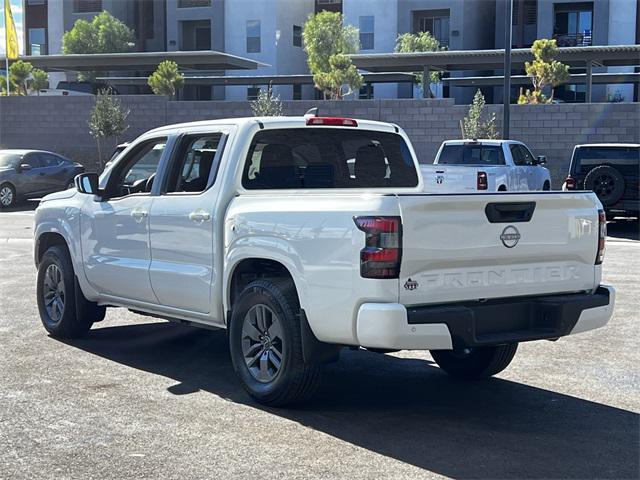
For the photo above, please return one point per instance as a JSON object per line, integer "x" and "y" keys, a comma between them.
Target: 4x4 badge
{"x": 410, "y": 285}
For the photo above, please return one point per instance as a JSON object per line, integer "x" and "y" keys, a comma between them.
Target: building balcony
{"x": 573, "y": 40}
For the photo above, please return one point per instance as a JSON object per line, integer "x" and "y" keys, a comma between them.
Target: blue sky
{"x": 16, "y": 9}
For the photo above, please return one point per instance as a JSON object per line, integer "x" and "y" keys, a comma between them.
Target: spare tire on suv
{"x": 607, "y": 183}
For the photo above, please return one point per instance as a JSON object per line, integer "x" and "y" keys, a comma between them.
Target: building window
{"x": 193, "y": 3}
{"x": 252, "y": 93}
{"x": 573, "y": 24}
{"x": 366, "y": 92}
{"x": 87, "y": 6}
{"x": 36, "y": 2}
{"x": 253, "y": 36}
{"x": 366, "y": 32}
{"x": 37, "y": 41}
{"x": 297, "y": 92}
{"x": 297, "y": 36}
{"x": 436, "y": 23}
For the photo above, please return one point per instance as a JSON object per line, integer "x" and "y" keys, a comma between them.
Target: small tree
{"x": 40, "y": 80}
{"x": 19, "y": 72}
{"x": 107, "y": 119}
{"x": 474, "y": 125}
{"x": 12, "y": 85}
{"x": 267, "y": 104}
{"x": 167, "y": 79}
{"x": 544, "y": 71}
{"x": 104, "y": 34}
{"x": 419, "y": 42}
{"x": 327, "y": 42}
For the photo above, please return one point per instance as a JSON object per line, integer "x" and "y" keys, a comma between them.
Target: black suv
{"x": 612, "y": 171}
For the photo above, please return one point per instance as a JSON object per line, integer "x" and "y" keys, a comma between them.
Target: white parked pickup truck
{"x": 303, "y": 235}
{"x": 463, "y": 166}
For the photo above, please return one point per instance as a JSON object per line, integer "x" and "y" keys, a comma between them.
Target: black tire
{"x": 77, "y": 314}
{"x": 475, "y": 363}
{"x": 8, "y": 197}
{"x": 295, "y": 381}
{"x": 607, "y": 182}
{"x": 546, "y": 187}
{"x": 502, "y": 188}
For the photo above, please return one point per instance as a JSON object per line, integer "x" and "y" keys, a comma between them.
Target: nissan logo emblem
{"x": 510, "y": 236}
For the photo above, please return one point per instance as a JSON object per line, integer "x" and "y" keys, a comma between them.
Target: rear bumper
{"x": 630, "y": 206}
{"x": 474, "y": 324}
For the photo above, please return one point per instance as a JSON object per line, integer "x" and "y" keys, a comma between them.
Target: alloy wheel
{"x": 6, "y": 196}
{"x": 603, "y": 185}
{"x": 262, "y": 343}
{"x": 53, "y": 292}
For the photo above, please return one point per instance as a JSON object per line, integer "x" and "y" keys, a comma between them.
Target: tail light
{"x": 570, "y": 183}
{"x": 332, "y": 121}
{"x": 382, "y": 252}
{"x": 482, "y": 182}
{"x": 602, "y": 236}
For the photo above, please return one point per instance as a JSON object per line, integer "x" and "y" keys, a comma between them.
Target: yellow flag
{"x": 11, "y": 35}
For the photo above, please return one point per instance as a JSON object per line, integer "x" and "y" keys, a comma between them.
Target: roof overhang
{"x": 458, "y": 60}
{"x": 235, "y": 80}
{"x": 577, "y": 78}
{"x": 141, "y": 61}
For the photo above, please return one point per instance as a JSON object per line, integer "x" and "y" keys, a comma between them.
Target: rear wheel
{"x": 475, "y": 363}
{"x": 64, "y": 310}
{"x": 266, "y": 345}
{"x": 7, "y": 195}
{"x": 546, "y": 187}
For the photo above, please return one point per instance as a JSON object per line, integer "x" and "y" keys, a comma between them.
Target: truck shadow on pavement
{"x": 628, "y": 228}
{"x": 407, "y": 409}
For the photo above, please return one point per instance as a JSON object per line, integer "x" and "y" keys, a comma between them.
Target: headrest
{"x": 276, "y": 155}
{"x": 370, "y": 164}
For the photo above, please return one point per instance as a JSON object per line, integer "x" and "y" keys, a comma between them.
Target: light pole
{"x": 506, "y": 98}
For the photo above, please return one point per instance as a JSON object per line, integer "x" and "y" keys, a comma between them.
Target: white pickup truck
{"x": 463, "y": 166}
{"x": 302, "y": 235}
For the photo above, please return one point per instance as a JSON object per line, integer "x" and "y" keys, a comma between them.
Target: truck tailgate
{"x": 449, "y": 178}
{"x": 453, "y": 252}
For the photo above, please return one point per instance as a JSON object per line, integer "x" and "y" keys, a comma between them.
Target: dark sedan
{"x": 33, "y": 173}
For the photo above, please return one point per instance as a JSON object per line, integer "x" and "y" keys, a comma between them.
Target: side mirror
{"x": 24, "y": 167}
{"x": 87, "y": 183}
{"x": 542, "y": 160}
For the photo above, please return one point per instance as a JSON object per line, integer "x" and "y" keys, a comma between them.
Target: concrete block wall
{"x": 60, "y": 123}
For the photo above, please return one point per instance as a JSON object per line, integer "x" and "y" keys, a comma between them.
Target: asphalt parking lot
{"x": 148, "y": 399}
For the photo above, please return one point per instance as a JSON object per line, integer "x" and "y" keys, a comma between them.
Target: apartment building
{"x": 456, "y": 24}
{"x": 576, "y": 23}
{"x": 47, "y": 20}
{"x": 269, "y": 31}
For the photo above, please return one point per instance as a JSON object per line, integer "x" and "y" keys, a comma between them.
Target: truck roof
{"x": 485, "y": 141}
{"x": 600, "y": 145}
{"x": 283, "y": 122}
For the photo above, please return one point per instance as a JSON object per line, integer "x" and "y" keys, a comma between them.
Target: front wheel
{"x": 64, "y": 311}
{"x": 477, "y": 362}
{"x": 7, "y": 196}
{"x": 266, "y": 345}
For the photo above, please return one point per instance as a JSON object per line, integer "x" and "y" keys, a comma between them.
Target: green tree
{"x": 40, "y": 80}
{"x": 327, "y": 43}
{"x": 267, "y": 104}
{"x": 419, "y": 42}
{"x": 167, "y": 79}
{"x": 104, "y": 34}
{"x": 107, "y": 119}
{"x": 19, "y": 74}
{"x": 475, "y": 124}
{"x": 3, "y": 85}
{"x": 545, "y": 71}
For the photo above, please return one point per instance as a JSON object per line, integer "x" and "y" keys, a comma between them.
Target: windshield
{"x": 317, "y": 157}
{"x": 9, "y": 159}
{"x": 471, "y": 155}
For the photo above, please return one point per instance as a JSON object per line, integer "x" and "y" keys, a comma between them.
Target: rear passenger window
{"x": 196, "y": 163}
{"x": 303, "y": 158}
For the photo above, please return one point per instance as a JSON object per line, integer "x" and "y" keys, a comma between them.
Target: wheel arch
{"x": 46, "y": 240}
{"x": 249, "y": 268}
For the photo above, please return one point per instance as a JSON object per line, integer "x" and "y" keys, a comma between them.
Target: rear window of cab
{"x": 311, "y": 158}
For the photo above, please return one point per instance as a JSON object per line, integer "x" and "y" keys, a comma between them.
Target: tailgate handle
{"x": 512, "y": 212}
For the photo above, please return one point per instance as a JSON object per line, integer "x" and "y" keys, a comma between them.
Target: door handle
{"x": 139, "y": 214}
{"x": 200, "y": 216}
